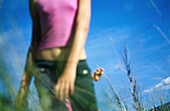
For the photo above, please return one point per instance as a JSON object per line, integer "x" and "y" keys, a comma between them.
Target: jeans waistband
{"x": 51, "y": 62}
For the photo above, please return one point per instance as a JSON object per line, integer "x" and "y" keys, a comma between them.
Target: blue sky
{"x": 138, "y": 24}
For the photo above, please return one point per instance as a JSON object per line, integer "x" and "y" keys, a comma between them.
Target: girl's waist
{"x": 58, "y": 53}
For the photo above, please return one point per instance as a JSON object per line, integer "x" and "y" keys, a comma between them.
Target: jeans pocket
{"x": 83, "y": 70}
{"x": 42, "y": 78}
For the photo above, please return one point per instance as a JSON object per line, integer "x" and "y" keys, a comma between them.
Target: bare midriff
{"x": 58, "y": 53}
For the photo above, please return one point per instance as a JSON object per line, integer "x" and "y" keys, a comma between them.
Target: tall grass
{"x": 8, "y": 89}
{"x": 138, "y": 103}
{"x": 132, "y": 82}
{"x": 7, "y": 102}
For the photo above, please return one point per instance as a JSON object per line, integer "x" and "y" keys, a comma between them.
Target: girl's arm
{"x": 27, "y": 75}
{"x": 66, "y": 81}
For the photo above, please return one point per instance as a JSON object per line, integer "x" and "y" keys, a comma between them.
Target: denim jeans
{"x": 48, "y": 73}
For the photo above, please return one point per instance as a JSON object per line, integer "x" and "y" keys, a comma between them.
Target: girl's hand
{"x": 97, "y": 74}
{"x": 65, "y": 84}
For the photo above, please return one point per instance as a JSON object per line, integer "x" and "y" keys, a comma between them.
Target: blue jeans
{"x": 83, "y": 98}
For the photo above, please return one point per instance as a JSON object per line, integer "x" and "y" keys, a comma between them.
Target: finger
{"x": 62, "y": 85}
{"x": 102, "y": 69}
{"x": 100, "y": 73}
{"x": 97, "y": 78}
{"x": 96, "y": 72}
{"x": 66, "y": 90}
{"x": 72, "y": 88}
{"x": 57, "y": 89}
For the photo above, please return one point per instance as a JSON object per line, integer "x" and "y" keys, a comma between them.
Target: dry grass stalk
{"x": 160, "y": 15}
{"x": 118, "y": 99}
{"x": 128, "y": 69}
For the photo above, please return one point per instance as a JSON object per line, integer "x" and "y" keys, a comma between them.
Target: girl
{"x": 57, "y": 51}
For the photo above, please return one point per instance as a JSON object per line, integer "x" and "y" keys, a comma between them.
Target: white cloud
{"x": 167, "y": 81}
{"x": 157, "y": 47}
{"x": 120, "y": 66}
{"x": 164, "y": 84}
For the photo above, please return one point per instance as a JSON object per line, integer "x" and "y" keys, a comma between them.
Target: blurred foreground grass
{"x": 115, "y": 101}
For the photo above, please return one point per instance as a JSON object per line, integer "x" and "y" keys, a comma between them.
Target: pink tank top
{"x": 56, "y": 19}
